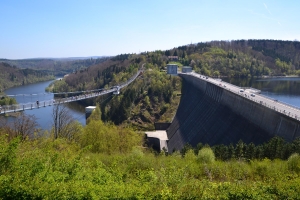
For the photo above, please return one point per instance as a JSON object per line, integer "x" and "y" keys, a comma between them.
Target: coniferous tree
{"x": 231, "y": 151}
{"x": 175, "y": 53}
{"x": 250, "y": 151}
{"x": 239, "y": 150}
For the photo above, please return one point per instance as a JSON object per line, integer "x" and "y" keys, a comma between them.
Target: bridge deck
{"x": 91, "y": 94}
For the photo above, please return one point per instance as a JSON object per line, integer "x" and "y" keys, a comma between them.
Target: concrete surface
{"x": 158, "y": 139}
{"x": 215, "y": 112}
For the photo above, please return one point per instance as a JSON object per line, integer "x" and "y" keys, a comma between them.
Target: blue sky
{"x": 64, "y": 28}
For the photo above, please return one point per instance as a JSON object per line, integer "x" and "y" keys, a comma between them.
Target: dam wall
{"x": 212, "y": 115}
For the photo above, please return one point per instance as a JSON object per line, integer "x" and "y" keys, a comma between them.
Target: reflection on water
{"x": 36, "y": 92}
{"x": 285, "y": 89}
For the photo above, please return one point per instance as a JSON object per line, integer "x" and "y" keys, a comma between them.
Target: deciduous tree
{"x": 63, "y": 123}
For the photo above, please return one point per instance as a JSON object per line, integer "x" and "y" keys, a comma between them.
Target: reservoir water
{"x": 283, "y": 89}
{"x": 36, "y": 92}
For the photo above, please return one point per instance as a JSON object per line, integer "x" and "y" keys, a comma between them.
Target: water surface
{"x": 36, "y": 92}
{"x": 285, "y": 89}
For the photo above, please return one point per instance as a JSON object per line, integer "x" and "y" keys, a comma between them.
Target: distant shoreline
{"x": 291, "y": 76}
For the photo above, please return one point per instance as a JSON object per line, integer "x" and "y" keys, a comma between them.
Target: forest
{"x": 12, "y": 76}
{"x": 155, "y": 96}
{"x": 55, "y": 66}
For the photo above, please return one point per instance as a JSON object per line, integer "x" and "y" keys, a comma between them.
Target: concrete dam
{"x": 213, "y": 113}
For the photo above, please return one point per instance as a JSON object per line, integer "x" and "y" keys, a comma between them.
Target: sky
{"x": 71, "y": 28}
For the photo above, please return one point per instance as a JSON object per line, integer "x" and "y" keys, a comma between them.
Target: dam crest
{"x": 215, "y": 112}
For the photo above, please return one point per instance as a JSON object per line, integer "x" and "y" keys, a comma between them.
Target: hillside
{"x": 151, "y": 98}
{"x": 56, "y": 66}
{"x": 154, "y": 94}
{"x": 241, "y": 58}
{"x": 12, "y": 76}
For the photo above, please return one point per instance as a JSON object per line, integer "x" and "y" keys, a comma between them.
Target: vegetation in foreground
{"x": 60, "y": 169}
{"x": 103, "y": 161}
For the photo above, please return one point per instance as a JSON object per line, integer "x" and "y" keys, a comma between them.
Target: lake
{"x": 36, "y": 92}
{"x": 285, "y": 89}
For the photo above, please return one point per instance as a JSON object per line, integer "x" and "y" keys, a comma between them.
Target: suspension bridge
{"x": 75, "y": 96}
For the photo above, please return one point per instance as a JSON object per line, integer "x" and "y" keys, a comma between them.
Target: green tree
{"x": 250, "y": 151}
{"x": 216, "y": 73}
{"x": 231, "y": 151}
{"x": 108, "y": 138}
{"x": 183, "y": 54}
{"x": 274, "y": 148}
{"x": 206, "y": 155}
{"x": 239, "y": 149}
{"x": 96, "y": 114}
{"x": 294, "y": 163}
{"x": 7, "y": 101}
{"x": 147, "y": 101}
{"x": 175, "y": 53}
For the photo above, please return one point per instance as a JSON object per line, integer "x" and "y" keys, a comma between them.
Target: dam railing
{"x": 280, "y": 101}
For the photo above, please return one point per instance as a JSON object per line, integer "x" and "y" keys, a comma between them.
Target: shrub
{"x": 294, "y": 163}
{"x": 108, "y": 138}
{"x": 206, "y": 155}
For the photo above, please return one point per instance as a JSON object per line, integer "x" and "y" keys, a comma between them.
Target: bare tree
{"x": 23, "y": 126}
{"x": 64, "y": 124}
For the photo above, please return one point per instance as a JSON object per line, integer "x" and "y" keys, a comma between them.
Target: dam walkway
{"x": 254, "y": 95}
{"x": 215, "y": 112}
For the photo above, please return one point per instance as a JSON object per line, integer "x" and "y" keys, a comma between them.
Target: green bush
{"x": 44, "y": 168}
{"x": 206, "y": 155}
{"x": 294, "y": 163}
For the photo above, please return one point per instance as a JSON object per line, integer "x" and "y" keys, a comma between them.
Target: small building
{"x": 158, "y": 140}
{"x": 186, "y": 69}
{"x": 172, "y": 69}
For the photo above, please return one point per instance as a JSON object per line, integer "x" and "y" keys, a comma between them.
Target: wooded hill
{"x": 242, "y": 58}
{"x": 152, "y": 97}
{"x": 58, "y": 67}
{"x": 11, "y": 76}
